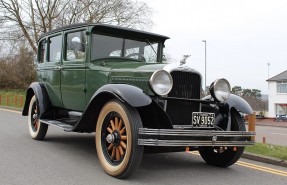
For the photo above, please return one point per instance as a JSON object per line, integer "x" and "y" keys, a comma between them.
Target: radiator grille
{"x": 185, "y": 85}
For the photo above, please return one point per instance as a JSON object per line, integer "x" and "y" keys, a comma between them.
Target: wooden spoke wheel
{"x": 225, "y": 156}
{"x": 116, "y": 139}
{"x": 37, "y": 129}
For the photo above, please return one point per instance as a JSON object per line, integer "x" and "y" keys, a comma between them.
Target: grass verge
{"x": 279, "y": 152}
{"x": 12, "y": 98}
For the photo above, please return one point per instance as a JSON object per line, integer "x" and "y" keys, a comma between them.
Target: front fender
{"x": 129, "y": 94}
{"x": 236, "y": 102}
{"x": 132, "y": 95}
{"x": 222, "y": 111}
{"x": 39, "y": 90}
{"x": 239, "y": 103}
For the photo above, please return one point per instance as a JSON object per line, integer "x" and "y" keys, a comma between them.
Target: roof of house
{"x": 280, "y": 77}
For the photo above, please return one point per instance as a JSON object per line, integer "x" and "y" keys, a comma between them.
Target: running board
{"x": 62, "y": 125}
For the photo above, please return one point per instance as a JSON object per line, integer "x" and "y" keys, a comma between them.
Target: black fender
{"x": 239, "y": 104}
{"x": 223, "y": 110}
{"x": 133, "y": 96}
{"x": 40, "y": 91}
{"x": 236, "y": 102}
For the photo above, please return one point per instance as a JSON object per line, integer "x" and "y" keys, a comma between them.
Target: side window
{"x": 42, "y": 52}
{"x": 55, "y": 48}
{"x": 75, "y": 45}
{"x": 106, "y": 46}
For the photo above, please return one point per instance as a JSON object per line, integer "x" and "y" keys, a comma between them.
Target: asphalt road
{"x": 70, "y": 158}
{"x": 273, "y": 135}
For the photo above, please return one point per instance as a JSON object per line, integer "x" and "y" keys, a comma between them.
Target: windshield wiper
{"x": 151, "y": 46}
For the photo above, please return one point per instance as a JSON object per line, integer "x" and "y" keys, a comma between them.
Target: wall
{"x": 275, "y": 98}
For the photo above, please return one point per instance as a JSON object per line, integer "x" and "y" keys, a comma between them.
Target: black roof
{"x": 280, "y": 77}
{"x": 111, "y": 29}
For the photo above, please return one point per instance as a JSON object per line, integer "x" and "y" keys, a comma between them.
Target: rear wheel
{"x": 116, "y": 139}
{"x": 225, "y": 156}
{"x": 37, "y": 129}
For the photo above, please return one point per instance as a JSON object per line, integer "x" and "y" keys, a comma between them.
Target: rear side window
{"x": 42, "y": 52}
{"x": 55, "y": 48}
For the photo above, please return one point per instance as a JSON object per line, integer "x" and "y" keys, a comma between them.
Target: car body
{"x": 113, "y": 81}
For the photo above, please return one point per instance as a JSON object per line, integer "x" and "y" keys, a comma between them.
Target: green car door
{"x": 73, "y": 75}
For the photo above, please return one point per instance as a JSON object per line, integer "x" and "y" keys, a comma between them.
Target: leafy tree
{"x": 255, "y": 93}
{"x": 236, "y": 90}
{"x": 28, "y": 19}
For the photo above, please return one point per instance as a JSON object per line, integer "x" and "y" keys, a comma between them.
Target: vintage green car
{"x": 113, "y": 81}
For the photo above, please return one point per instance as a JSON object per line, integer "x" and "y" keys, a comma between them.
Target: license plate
{"x": 203, "y": 119}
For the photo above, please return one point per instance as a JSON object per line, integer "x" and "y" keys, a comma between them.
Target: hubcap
{"x": 110, "y": 138}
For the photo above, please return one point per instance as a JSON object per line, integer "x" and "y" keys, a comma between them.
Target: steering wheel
{"x": 139, "y": 56}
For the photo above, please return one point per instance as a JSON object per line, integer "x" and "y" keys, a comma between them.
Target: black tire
{"x": 228, "y": 156}
{"x": 122, "y": 155}
{"x": 37, "y": 129}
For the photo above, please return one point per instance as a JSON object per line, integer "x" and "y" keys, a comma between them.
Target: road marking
{"x": 14, "y": 111}
{"x": 254, "y": 166}
{"x": 279, "y": 134}
{"x": 262, "y": 168}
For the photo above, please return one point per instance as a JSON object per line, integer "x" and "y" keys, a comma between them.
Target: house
{"x": 277, "y": 86}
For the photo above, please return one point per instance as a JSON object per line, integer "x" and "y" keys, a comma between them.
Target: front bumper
{"x": 177, "y": 137}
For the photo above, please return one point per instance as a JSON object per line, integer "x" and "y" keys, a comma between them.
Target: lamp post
{"x": 204, "y": 65}
{"x": 268, "y": 64}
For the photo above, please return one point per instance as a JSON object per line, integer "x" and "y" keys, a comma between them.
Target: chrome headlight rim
{"x": 154, "y": 76}
{"x": 215, "y": 89}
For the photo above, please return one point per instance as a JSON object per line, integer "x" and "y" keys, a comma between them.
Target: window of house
{"x": 281, "y": 87}
{"x": 76, "y": 45}
{"x": 55, "y": 48}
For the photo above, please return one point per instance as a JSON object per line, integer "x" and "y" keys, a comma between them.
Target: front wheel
{"x": 225, "y": 156}
{"x": 37, "y": 129}
{"x": 116, "y": 139}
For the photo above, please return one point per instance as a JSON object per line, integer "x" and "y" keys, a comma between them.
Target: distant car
{"x": 280, "y": 118}
{"x": 112, "y": 81}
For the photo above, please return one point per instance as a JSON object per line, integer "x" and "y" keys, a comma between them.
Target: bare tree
{"x": 28, "y": 19}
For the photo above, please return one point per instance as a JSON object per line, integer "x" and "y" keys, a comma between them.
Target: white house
{"x": 277, "y": 94}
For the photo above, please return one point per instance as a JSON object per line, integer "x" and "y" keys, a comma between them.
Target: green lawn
{"x": 279, "y": 152}
{"x": 14, "y": 98}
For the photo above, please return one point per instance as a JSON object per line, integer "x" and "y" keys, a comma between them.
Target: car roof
{"x": 111, "y": 29}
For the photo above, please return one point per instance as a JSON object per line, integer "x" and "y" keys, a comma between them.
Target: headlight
{"x": 220, "y": 90}
{"x": 161, "y": 82}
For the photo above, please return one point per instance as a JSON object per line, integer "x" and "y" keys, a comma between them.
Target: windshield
{"x": 104, "y": 46}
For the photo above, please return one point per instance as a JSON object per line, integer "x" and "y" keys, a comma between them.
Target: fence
{"x": 12, "y": 100}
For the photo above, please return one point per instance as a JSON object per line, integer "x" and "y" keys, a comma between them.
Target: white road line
{"x": 14, "y": 111}
{"x": 279, "y": 134}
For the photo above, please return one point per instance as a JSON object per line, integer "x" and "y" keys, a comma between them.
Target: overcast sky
{"x": 242, "y": 37}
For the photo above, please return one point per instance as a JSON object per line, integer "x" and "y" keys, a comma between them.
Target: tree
{"x": 26, "y": 20}
{"x": 236, "y": 90}
{"x": 255, "y": 93}
{"x": 17, "y": 71}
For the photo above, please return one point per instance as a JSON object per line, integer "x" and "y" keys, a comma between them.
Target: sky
{"x": 242, "y": 37}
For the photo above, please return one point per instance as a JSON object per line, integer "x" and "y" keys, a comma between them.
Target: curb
{"x": 264, "y": 159}
{"x": 11, "y": 108}
{"x": 269, "y": 125}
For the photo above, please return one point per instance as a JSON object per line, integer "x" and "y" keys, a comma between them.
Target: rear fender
{"x": 39, "y": 90}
